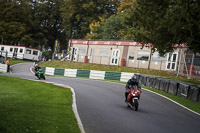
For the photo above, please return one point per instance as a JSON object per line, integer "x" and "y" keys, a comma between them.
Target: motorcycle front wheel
{"x": 135, "y": 102}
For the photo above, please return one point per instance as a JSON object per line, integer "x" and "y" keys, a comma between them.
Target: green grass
{"x": 12, "y": 62}
{"x": 88, "y": 66}
{"x": 28, "y": 106}
{"x": 195, "y": 106}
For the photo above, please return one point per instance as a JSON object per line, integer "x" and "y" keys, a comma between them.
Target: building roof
{"x": 119, "y": 43}
{"x": 19, "y": 46}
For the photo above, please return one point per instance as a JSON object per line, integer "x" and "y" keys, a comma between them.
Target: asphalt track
{"x": 102, "y": 109}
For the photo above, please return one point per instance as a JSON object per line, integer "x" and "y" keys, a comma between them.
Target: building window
{"x": 103, "y": 52}
{"x": 2, "y": 48}
{"x": 28, "y": 51}
{"x": 157, "y": 58}
{"x": 143, "y": 55}
{"x": 131, "y": 55}
{"x": 197, "y": 60}
{"x": 21, "y": 50}
{"x": 171, "y": 61}
{"x": 35, "y": 52}
{"x": 82, "y": 51}
{"x": 11, "y": 49}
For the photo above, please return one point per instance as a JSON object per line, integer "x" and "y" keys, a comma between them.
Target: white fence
{"x": 97, "y": 74}
{"x": 70, "y": 72}
{"x": 3, "y": 68}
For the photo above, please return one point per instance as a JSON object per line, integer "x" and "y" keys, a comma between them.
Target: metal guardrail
{"x": 178, "y": 88}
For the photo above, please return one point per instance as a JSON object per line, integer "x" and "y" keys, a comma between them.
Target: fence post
{"x": 191, "y": 67}
{"x": 185, "y": 66}
{"x": 6, "y": 56}
{"x": 179, "y": 63}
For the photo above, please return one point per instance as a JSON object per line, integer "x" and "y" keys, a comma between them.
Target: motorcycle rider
{"x": 36, "y": 68}
{"x": 131, "y": 82}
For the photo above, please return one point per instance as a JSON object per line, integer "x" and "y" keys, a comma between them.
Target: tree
{"x": 184, "y": 23}
{"x": 14, "y": 20}
{"x": 112, "y": 28}
{"x": 48, "y": 21}
{"x": 164, "y": 23}
{"x": 78, "y": 15}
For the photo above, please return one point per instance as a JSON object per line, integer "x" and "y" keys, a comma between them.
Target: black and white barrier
{"x": 164, "y": 84}
{"x": 173, "y": 87}
{"x": 3, "y": 68}
{"x": 178, "y": 88}
{"x": 194, "y": 93}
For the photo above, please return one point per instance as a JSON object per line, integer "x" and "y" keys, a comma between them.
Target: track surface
{"x": 102, "y": 109}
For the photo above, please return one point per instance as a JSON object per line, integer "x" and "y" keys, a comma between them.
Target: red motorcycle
{"x": 133, "y": 97}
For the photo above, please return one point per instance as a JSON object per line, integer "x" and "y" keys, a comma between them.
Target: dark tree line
{"x": 38, "y": 23}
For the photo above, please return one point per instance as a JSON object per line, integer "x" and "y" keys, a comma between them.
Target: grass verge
{"x": 12, "y": 62}
{"x": 28, "y": 106}
{"x": 195, "y": 106}
{"x": 89, "y": 66}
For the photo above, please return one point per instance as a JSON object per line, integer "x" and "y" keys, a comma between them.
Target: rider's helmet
{"x": 36, "y": 65}
{"x": 134, "y": 78}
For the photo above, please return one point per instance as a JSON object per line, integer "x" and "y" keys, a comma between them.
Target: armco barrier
{"x": 70, "y": 72}
{"x": 44, "y": 69}
{"x": 156, "y": 83}
{"x": 199, "y": 96}
{"x": 83, "y": 73}
{"x": 126, "y": 76}
{"x": 183, "y": 90}
{"x": 3, "y": 68}
{"x": 142, "y": 79}
{"x": 193, "y": 93}
{"x": 49, "y": 71}
{"x": 164, "y": 84}
{"x": 112, "y": 76}
{"x": 59, "y": 71}
{"x": 149, "y": 81}
{"x": 97, "y": 74}
{"x": 171, "y": 86}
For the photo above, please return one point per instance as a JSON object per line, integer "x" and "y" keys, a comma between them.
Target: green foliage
{"x": 164, "y": 23}
{"x": 185, "y": 102}
{"x": 111, "y": 27}
{"x": 48, "y": 21}
{"x": 14, "y": 21}
{"x": 28, "y": 106}
{"x": 33, "y": 23}
{"x": 39, "y": 23}
{"x": 78, "y": 15}
{"x": 13, "y": 62}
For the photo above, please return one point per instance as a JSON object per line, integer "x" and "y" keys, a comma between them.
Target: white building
{"x": 20, "y": 52}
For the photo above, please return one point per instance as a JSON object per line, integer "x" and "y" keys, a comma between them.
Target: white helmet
{"x": 134, "y": 78}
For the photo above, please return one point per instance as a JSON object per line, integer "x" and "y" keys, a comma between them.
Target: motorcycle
{"x": 133, "y": 97}
{"x": 40, "y": 74}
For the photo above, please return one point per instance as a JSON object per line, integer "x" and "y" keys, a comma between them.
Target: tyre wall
{"x": 185, "y": 90}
